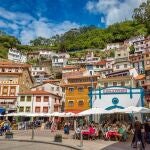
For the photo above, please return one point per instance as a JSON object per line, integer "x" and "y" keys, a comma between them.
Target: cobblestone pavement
{"x": 14, "y": 145}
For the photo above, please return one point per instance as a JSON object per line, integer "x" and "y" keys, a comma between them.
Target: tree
{"x": 142, "y": 14}
{"x": 132, "y": 49}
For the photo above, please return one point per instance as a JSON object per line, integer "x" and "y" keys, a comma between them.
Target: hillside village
{"x": 58, "y": 82}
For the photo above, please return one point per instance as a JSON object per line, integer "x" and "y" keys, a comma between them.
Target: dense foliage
{"x": 92, "y": 37}
{"x": 6, "y": 42}
{"x": 75, "y": 41}
{"x": 142, "y": 14}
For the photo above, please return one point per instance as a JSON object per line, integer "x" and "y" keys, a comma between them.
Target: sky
{"x": 29, "y": 19}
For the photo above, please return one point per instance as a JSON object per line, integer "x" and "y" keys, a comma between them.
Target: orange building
{"x": 76, "y": 92}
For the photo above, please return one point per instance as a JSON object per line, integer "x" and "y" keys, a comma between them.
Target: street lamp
{"x": 91, "y": 91}
{"x": 32, "y": 120}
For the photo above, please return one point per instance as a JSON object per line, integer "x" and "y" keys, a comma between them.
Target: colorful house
{"x": 76, "y": 92}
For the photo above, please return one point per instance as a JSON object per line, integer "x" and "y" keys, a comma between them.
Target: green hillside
{"x": 76, "y": 41}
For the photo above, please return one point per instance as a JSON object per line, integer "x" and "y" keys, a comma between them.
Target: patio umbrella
{"x": 133, "y": 109}
{"x": 12, "y": 114}
{"x": 92, "y": 111}
{"x": 116, "y": 110}
{"x": 68, "y": 114}
{"x": 56, "y": 114}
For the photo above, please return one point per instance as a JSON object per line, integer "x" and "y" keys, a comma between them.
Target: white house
{"x": 16, "y": 55}
{"x": 49, "y": 87}
{"x": 60, "y": 60}
{"x": 38, "y": 101}
{"x": 37, "y": 70}
{"x": 53, "y": 88}
{"x": 134, "y": 39}
{"x": 46, "y": 54}
{"x": 112, "y": 46}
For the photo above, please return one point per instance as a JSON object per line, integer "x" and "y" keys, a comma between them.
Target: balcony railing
{"x": 121, "y": 59}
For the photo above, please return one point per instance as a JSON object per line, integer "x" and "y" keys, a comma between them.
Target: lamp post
{"x": 91, "y": 94}
{"x": 32, "y": 120}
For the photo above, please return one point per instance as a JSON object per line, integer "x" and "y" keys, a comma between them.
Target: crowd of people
{"x": 5, "y": 126}
{"x": 116, "y": 130}
{"x": 107, "y": 130}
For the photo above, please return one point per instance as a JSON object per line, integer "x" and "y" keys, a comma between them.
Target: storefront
{"x": 117, "y": 97}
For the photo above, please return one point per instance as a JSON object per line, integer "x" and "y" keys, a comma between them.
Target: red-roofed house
{"x": 38, "y": 101}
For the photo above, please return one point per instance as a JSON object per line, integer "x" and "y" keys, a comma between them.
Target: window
{"x": 122, "y": 83}
{"x": 28, "y": 98}
{"x": 89, "y": 88}
{"x": 21, "y": 109}
{"x": 80, "y": 103}
{"x": 22, "y": 98}
{"x": 40, "y": 68}
{"x": 28, "y": 109}
{"x": 117, "y": 66}
{"x": 5, "y": 90}
{"x": 70, "y": 103}
{"x": 114, "y": 83}
{"x": 52, "y": 88}
{"x": 55, "y": 100}
{"x": 148, "y": 62}
{"x": 12, "y": 90}
{"x": 71, "y": 89}
{"x": 46, "y": 98}
{"x": 80, "y": 89}
{"x": 147, "y": 55}
{"x": 38, "y": 98}
{"x": 119, "y": 55}
{"x": 34, "y": 68}
{"x": 37, "y": 109}
{"x": 105, "y": 84}
{"x": 142, "y": 82}
{"x": 57, "y": 89}
{"x": 45, "y": 109}
{"x": 125, "y": 65}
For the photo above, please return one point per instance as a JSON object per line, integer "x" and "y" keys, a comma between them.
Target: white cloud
{"x": 44, "y": 28}
{"x": 113, "y": 10}
{"x": 27, "y": 27}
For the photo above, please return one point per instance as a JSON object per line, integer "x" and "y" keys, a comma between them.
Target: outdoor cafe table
{"x": 86, "y": 133}
{"x": 111, "y": 133}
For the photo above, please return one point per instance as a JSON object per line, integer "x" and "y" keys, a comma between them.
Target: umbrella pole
{"x": 32, "y": 129}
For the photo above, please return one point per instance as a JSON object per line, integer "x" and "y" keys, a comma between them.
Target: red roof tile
{"x": 37, "y": 92}
{"x": 102, "y": 62}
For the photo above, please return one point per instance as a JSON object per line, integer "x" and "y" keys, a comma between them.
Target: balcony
{"x": 57, "y": 103}
{"x": 124, "y": 59}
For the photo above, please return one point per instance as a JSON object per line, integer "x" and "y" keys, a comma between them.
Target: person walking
{"x": 137, "y": 140}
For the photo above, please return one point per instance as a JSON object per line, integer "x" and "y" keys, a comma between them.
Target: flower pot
{"x": 9, "y": 136}
{"x": 58, "y": 139}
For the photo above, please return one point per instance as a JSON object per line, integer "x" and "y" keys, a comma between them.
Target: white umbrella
{"x": 116, "y": 110}
{"x": 12, "y": 114}
{"x": 133, "y": 109}
{"x": 1, "y": 115}
{"x": 56, "y": 114}
{"x": 92, "y": 111}
{"x": 68, "y": 114}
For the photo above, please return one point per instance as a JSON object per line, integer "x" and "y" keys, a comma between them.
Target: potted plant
{"x": 9, "y": 135}
{"x": 58, "y": 138}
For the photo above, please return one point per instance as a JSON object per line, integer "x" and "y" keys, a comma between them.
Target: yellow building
{"x": 76, "y": 92}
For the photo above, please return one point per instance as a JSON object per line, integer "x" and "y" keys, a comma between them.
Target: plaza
{"x": 44, "y": 139}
